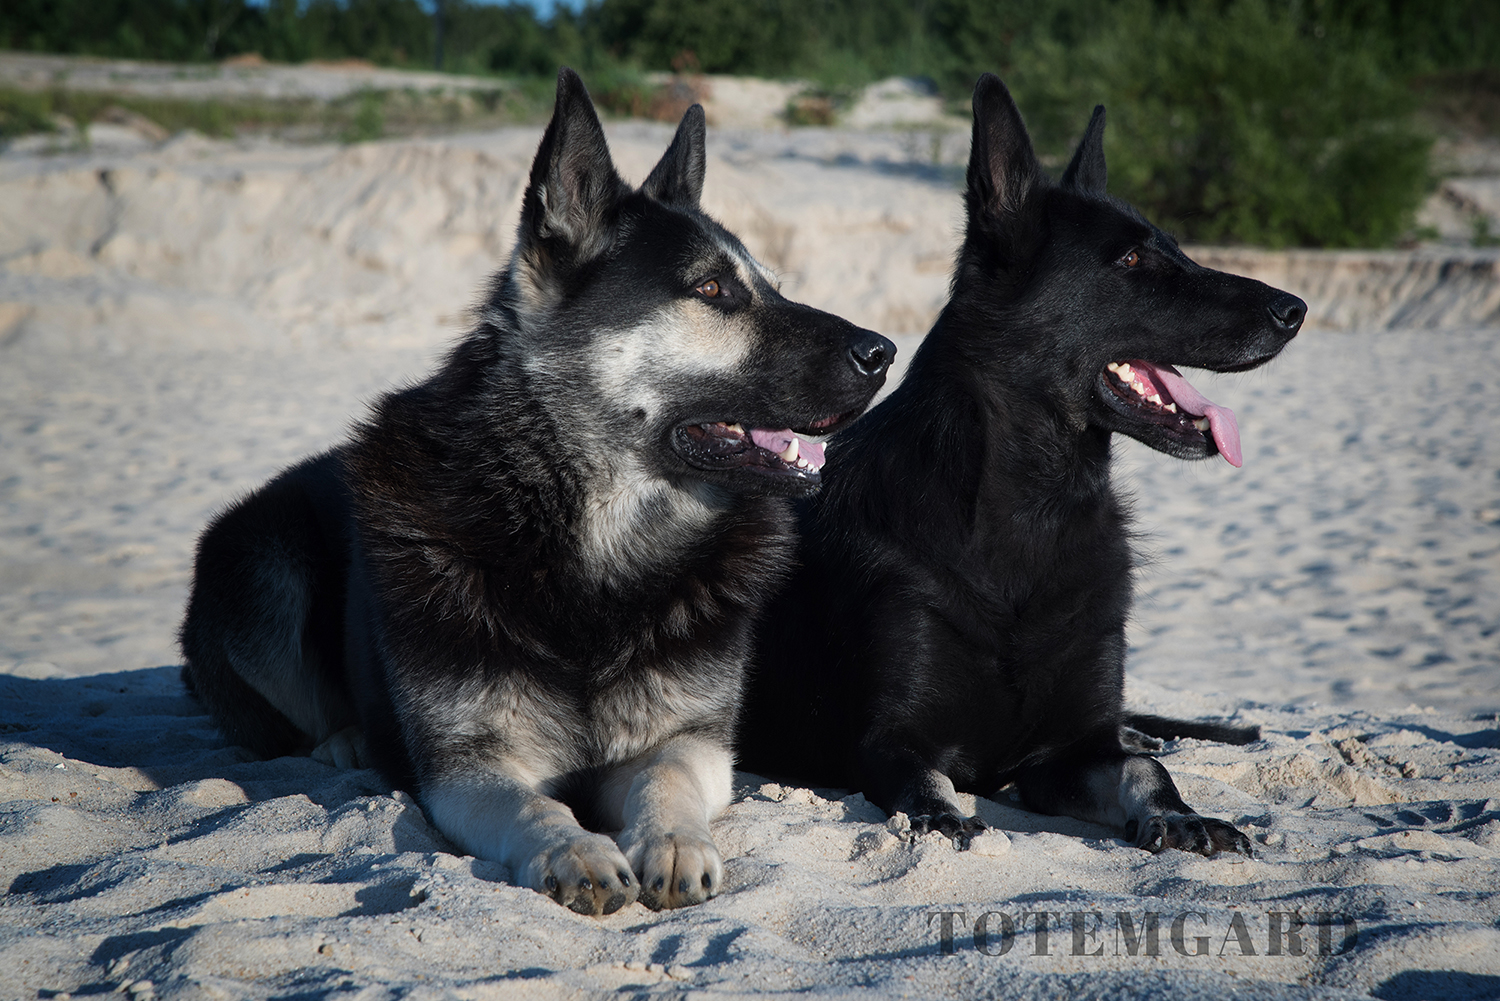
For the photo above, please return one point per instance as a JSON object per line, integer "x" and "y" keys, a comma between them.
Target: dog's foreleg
{"x": 666, "y": 800}
{"x": 901, "y": 781}
{"x": 495, "y": 812}
{"x": 1130, "y": 792}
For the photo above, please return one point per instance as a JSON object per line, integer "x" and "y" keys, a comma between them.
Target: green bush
{"x": 1242, "y": 123}
{"x": 22, "y": 112}
{"x": 369, "y": 118}
{"x": 749, "y": 36}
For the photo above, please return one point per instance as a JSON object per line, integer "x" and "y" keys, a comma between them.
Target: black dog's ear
{"x": 1086, "y": 171}
{"x": 678, "y": 178}
{"x": 1003, "y": 170}
{"x": 573, "y": 183}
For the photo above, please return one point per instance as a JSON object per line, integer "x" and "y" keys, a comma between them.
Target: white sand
{"x": 178, "y": 327}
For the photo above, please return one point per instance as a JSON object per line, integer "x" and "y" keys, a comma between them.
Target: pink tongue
{"x": 777, "y": 441}
{"x": 1221, "y": 422}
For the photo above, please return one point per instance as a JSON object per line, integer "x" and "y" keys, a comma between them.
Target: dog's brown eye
{"x": 1131, "y": 259}
{"x": 710, "y": 289}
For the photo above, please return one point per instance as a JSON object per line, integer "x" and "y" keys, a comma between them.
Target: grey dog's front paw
{"x": 587, "y": 874}
{"x": 1188, "y": 832}
{"x": 675, "y": 869}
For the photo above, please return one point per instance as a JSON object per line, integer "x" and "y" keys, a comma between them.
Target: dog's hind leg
{"x": 345, "y": 749}
{"x": 666, "y": 801}
{"x": 1137, "y": 742}
{"x": 263, "y": 631}
{"x": 1106, "y": 785}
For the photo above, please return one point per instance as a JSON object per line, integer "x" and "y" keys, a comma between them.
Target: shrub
{"x": 22, "y": 112}
{"x": 1236, "y": 122}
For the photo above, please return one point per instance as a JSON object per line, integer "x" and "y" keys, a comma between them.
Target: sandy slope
{"x": 177, "y": 324}
{"x": 230, "y": 79}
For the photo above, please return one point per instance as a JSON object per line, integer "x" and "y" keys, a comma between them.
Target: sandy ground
{"x": 178, "y": 323}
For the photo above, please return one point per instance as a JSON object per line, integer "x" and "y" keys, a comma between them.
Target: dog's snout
{"x": 1288, "y": 312}
{"x": 871, "y": 354}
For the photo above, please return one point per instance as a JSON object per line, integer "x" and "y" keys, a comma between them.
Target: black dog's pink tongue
{"x": 780, "y": 442}
{"x": 1221, "y": 423}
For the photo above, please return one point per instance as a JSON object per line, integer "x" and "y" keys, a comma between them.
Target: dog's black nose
{"x": 1288, "y": 311}
{"x": 871, "y": 353}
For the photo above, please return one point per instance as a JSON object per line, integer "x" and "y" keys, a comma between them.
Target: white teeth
{"x": 736, "y": 428}
{"x": 1139, "y": 387}
{"x": 1113, "y": 366}
{"x": 1171, "y": 408}
{"x": 1154, "y": 398}
{"x": 1125, "y": 372}
{"x": 790, "y": 455}
{"x": 1201, "y": 423}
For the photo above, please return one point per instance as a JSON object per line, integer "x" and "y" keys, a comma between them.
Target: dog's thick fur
{"x": 959, "y": 618}
{"x": 525, "y": 588}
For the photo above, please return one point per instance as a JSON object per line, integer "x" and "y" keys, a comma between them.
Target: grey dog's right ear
{"x": 574, "y": 184}
{"x": 678, "y": 178}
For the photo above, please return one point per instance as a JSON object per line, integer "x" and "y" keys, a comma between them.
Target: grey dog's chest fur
{"x": 538, "y": 729}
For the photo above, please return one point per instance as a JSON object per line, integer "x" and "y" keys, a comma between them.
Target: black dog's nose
{"x": 1288, "y": 311}
{"x": 871, "y": 353}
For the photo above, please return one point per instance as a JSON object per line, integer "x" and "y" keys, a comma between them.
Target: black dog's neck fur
{"x": 999, "y": 450}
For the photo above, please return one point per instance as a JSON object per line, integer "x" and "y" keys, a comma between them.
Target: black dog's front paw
{"x": 1188, "y": 832}
{"x": 961, "y": 830}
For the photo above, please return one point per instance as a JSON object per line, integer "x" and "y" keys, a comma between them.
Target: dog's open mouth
{"x": 1160, "y": 395}
{"x": 721, "y": 445}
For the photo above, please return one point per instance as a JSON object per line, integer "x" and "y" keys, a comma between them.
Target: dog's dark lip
{"x": 829, "y": 425}
{"x": 1180, "y": 425}
{"x": 724, "y": 446}
{"x": 1244, "y": 366}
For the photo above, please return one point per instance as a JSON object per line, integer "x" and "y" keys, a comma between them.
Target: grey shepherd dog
{"x": 525, "y": 587}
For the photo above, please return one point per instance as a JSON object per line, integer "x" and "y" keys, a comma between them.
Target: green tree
{"x": 1238, "y": 121}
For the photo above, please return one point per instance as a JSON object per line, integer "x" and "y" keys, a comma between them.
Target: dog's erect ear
{"x": 1003, "y": 170}
{"x": 1086, "y": 172}
{"x": 678, "y": 178}
{"x": 573, "y": 183}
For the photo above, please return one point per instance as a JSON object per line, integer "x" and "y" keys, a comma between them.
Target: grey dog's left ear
{"x": 1086, "y": 172}
{"x": 678, "y": 178}
{"x": 573, "y": 185}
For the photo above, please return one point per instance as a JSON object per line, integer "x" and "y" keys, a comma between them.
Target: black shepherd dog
{"x": 958, "y": 621}
{"x": 525, "y": 588}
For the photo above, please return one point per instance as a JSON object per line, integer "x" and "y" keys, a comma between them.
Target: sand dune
{"x": 177, "y": 323}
